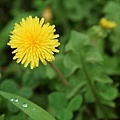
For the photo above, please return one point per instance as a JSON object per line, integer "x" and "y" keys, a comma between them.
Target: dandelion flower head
{"x": 107, "y": 24}
{"x": 32, "y": 40}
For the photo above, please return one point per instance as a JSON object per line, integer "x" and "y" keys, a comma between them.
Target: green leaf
{"x": 76, "y": 42}
{"x": 12, "y": 108}
{"x": 89, "y": 97}
{"x": 97, "y": 73}
{"x": 91, "y": 54}
{"x": 19, "y": 116}
{"x": 111, "y": 10}
{"x": 69, "y": 4}
{"x": 9, "y": 85}
{"x": 107, "y": 92}
{"x": 57, "y": 100}
{"x": 30, "y": 79}
{"x": 2, "y": 117}
{"x": 111, "y": 104}
{"x": 73, "y": 8}
{"x": 25, "y": 92}
{"x": 75, "y": 103}
{"x": 111, "y": 114}
{"x": 111, "y": 65}
{"x": 50, "y": 72}
{"x": 65, "y": 114}
{"x": 71, "y": 62}
{"x": 103, "y": 78}
{"x": 32, "y": 110}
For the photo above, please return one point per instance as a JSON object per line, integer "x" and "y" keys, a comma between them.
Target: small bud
{"x": 47, "y": 14}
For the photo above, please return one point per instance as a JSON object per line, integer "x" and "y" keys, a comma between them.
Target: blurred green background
{"x": 42, "y": 85}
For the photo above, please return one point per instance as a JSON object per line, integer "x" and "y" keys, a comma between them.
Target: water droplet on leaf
{"x": 16, "y": 100}
{"x": 11, "y": 99}
{"x": 25, "y": 105}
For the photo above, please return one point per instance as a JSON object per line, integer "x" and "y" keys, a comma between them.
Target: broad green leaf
{"x": 91, "y": 54}
{"x": 9, "y": 85}
{"x": 107, "y": 92}
{"x": 111, "y": 104}
{"x": 77, "y": 41}
{"x": 103, "y": 78}
{"x": 67, "y": 115}
{"x": 19, "y": 116}
{"x": 111, "y": 8}
{"x": 64, "y": 114}
{"x": 110, "y": 93}
{"x": 12, "y": 108}
{"x": 110, "y": 113}
{"x": 30, "y": 79}
{"x": 69, "y": 4}
{"x": 111, "y": 12}
{"x": 50, "y": 73}
{"x": 97, "y": 73}
{"x": 71, "y": 62}
{"x": 111, "y": 65}
{"x": 25, "y": 92}
{"x": 89, "y": 97}
{"x": 31, "y": 109}
{"x": 75, "y": 103}
{"x": 57, "y": 100}
{"x": 73, "y": 8}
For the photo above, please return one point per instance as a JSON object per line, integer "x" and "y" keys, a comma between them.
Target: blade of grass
{"x": 2, "y": 117}
{"x": 32, "y": 110}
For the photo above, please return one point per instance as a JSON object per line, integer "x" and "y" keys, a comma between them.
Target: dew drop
{"x": 16, "y": 100}
{"x": 33, "y": 108}
{"x": 25, "y": 105}
{"x": 11, "y": 99}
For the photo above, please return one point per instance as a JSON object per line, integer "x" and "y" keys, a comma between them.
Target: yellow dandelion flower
{"x": 33, "y": 41}
{"x": 107, "y": 24}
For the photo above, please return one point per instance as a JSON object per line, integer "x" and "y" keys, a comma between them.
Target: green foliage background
{"x": 89, "y": 58}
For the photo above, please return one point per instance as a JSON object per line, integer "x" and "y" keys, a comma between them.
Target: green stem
{"x": 62, "y": 78}
{"x": 92, "y": 88}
